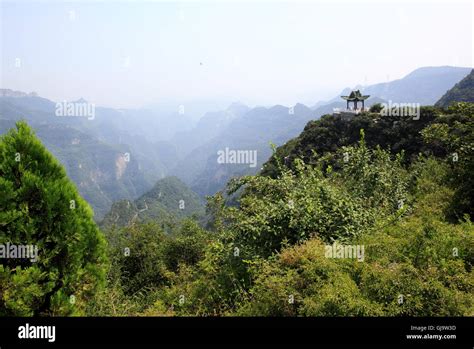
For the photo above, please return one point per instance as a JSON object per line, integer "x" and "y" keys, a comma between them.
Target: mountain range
{"x": 260, "y": 126}
{"x": 122, "y": 154}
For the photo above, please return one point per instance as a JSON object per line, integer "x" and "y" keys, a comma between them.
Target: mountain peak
{"x": 427, "y": 71}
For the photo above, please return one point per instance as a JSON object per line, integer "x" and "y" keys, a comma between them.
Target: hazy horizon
{"x": 129, "y": 55}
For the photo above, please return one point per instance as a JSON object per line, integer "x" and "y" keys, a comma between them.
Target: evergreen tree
{"x": 41, "y": 208}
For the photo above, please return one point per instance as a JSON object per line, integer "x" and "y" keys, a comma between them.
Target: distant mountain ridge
{"x": 165, "y": 141}
{"x": 208, "y": 127}
{"x": 259, "y": 126}
{"x": 253, "y": 131}
{"x": 424, "y": 85}
{"x": 106, "y": 162}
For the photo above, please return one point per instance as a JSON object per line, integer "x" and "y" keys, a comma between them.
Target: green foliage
{"x": 310, "y": 201}
{"x": 137, "y": 257}
{"x": 454, "y": 134}
{"x": 39, "y": 206}
{"x": 463, "y": 91}
{"x": 266, "y": 256}
{"x": 144, "y": 262}
{"x": 330, "y": 133}
{"x": 374, "y": 176}
{"x": 387, "y": 184}
{"x": 213, "y": 287}
{"x": 344, "y": 182}
{"x": 185, "y": 247}
{"x": 376, "y": 108}
{"x": 293, "y": 208}
{"x": 419, "y": 266}
{"x": 168, "y": 202}
{"x": 302, "y": 281}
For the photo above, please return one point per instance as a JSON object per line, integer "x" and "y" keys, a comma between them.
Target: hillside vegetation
{"x": 168, "y": 202}
{"x": 463, "y": 91}
{"x": 363, "y": 217}
{"x": 405, "y": 215}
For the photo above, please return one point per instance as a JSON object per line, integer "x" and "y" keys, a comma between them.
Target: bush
{"x": 413, "y": 266}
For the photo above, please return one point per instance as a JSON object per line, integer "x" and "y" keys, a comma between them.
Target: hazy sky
{"x": 129, "y": 54}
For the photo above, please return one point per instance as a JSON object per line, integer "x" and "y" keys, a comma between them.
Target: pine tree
{"x": 41, "y": 208}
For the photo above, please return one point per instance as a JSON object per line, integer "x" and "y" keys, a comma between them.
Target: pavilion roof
{"x": 355, "y": 96}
